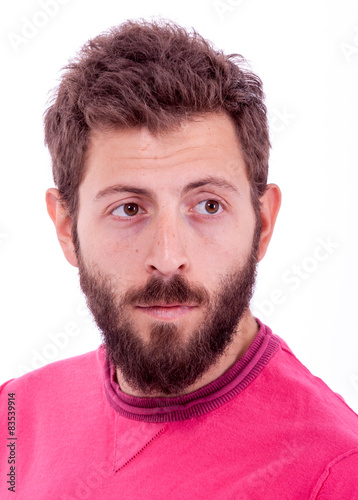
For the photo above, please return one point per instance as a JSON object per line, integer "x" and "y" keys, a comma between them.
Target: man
{"x": 160, "y": 149}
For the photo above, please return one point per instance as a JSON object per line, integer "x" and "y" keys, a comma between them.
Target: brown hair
{"x": 154, "y": 74}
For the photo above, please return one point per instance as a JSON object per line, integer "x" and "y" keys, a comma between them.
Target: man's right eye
{"x": 127, "y": 210}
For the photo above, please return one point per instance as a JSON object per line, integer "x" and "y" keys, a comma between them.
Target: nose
{"x": 167, "y": 252}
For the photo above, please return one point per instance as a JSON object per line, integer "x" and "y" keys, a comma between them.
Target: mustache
{"x": 176, "y": 291}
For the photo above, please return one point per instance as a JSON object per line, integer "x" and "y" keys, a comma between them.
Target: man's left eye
{"x": 211, "y": 207}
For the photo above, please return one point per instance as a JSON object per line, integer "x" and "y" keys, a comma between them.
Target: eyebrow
{"x": 210, "y": 181}
{"x": 207, "y": 181}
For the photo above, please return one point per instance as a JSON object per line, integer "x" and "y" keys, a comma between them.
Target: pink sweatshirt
{"x": 266, "y": 429}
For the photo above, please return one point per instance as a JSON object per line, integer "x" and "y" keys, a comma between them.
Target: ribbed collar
{"x": 203, "y": 400}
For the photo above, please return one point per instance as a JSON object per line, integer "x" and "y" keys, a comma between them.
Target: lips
{"x": 167, "y": 312}
{"x": 167, "y": 305}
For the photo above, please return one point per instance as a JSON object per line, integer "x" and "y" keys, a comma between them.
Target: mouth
{"x": 167, "y": 312}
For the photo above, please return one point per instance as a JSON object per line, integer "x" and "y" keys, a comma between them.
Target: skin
{"x": 172, "y": 232}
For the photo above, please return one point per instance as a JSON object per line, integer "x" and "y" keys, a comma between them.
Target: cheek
{"x": 120, "y": 258}
{"x": 101, "y": 241}
{"x": 229, "y": 241}
{"x": 213, "y": 256}
{"x": 126, "y": 261}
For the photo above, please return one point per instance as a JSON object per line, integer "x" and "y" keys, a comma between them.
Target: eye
{"x": 127, "y": 210}
{"x": 211, "y": 207}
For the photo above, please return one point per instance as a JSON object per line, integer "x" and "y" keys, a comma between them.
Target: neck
{"x": 245, "y": 334}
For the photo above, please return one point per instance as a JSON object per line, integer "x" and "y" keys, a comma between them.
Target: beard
{"x": 168, "y": 363}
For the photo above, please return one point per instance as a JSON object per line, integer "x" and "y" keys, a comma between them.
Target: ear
{"x": 63, "y": 223}
{"x": 270, "y": 205}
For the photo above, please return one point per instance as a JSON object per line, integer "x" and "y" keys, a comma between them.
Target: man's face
{"x": 168, "y": 248}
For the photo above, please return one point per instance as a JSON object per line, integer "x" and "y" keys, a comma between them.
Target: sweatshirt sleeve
{"x": 339, "y": 480}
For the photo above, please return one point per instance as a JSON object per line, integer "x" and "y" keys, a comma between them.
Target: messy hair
{"x": 151, "y": 74}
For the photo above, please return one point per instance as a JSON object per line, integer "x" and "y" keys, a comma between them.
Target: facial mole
{"x": 144, "y": 147}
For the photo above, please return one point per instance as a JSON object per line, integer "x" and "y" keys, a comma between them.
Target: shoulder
{"x": 52, "y": 396}
{"x": 306, "y": 391}
{"x": 302, "y": 401}
{"x": 68, "y": 374}
{"x": 339, "y": 479}
{"x": 321, "y": 426}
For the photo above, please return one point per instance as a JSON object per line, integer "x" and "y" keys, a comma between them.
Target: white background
{"x": 306, "y": 53}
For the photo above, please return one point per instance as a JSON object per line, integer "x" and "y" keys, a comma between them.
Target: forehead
{"x": 206, "y": 145}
